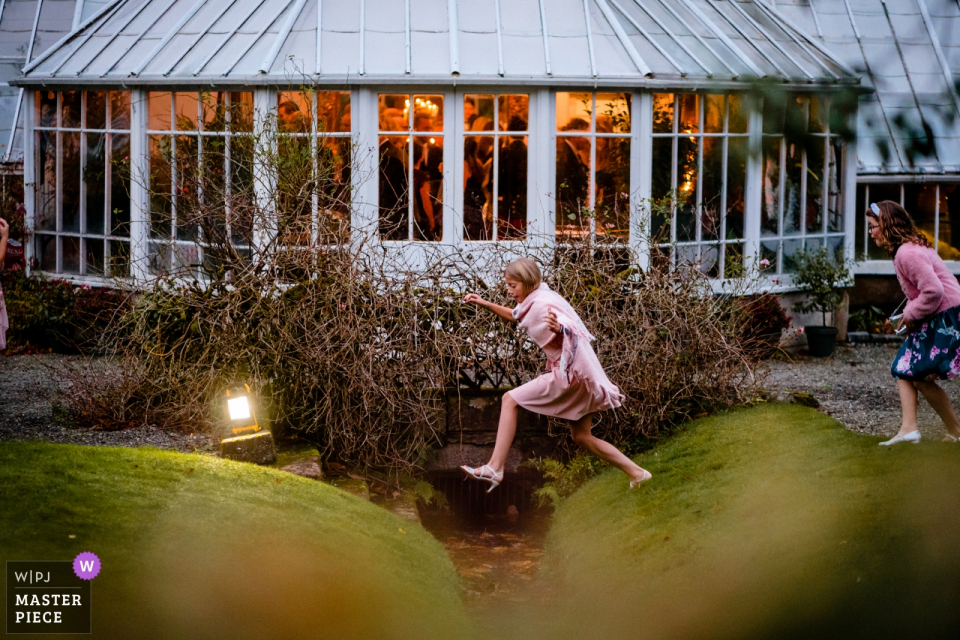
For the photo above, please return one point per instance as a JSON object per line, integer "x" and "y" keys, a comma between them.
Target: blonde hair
{"x": 526, "y": 272}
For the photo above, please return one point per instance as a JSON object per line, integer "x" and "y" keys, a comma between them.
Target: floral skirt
{"x": 932, "y": 352}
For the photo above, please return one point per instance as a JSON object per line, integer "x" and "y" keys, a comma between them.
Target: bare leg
{"x": 940, "y": 402}
{"x": 603, "y": 449}
{"x": 908, "y": 404}
{"x": 506, "y": 430}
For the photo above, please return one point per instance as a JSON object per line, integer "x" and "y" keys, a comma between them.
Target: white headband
{"x": 875, "y": 208}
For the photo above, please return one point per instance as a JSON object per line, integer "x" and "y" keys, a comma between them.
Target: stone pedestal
{"x": 255, "y": 447}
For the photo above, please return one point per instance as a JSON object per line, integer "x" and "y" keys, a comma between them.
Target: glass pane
{"x": 711, "y": 206}
{"x": 161, "y": 186}
{"x": 242, "y": 194}
{"x": 790, "y": 249}
{"x": 949, "y": 218}
{"x": 835, "y": 186}
{"x": 241, "y": 111}
{"x": 612, "y": 182}
{"x": 46, "y": 249}
{"x": 713, "y": 114}
{"x": 295, "y": 185}
{"x": 662, "y": 186}
{"x": 71, "y": 254}
{"x": 512, "y": 188}
{"x": 187, "y": 107}
{"x": 573, "y": 183}
{"x": 688, "y": 121}
{"x": 796, "y": 114}
{"x": 574, "y": 111}
{"x": 513, "y": 112}
{"x": 120, "y": 110}
{"x": 613, "y": 113}
{"x": 477, "y": 110}
{"x": 46, "y": 189}
{"x": 95, "y": 181}
{"x": 394, "y": 199}
{"x": 813, "y": 244}
{"x": 688, "y": 255}
{"x": 733, "y": 261}
{"x": 293, "y": 111}
{"x": 93, "y": 257}
{"x": 333, "y": 189}
{"x": 737, "y": 151}
{"x": 768, "y": 253}
{"x": 188, "y": 192}
{"x": 660, "y": 257}
{"x": 818, "y": 118}
{"x": 119, "y": 259}
{"x": 159, "y": 258}
{"x": 814, "y": 204}
{"x": 96, "y": 110}
{"x": 213, "y": 109}
{"x": 710, "y": 260}
{"x": 773, "y": 109}
{"x": 738, "y": 116}
{"x": 159, "y": 102}
{"x": 861, "y": 233}
{"x": 333, "y": 111}
{"x": 70, "y": 109}
{"x": 428, "y": 113}
{"x": 46, "y": 108}
{"x": 477, "y": 185}
{"x": 213, "y": 154}
{"x": 427, "y": 188}
{"x": 393, "y": 112}
{"x": 835, "y": 247}
{"x": 920, "y": 201}
{"x": 879, "y": 193}
{"x": 791, "y": 200}
{"x": 686, "y": 189}
{"x": 120, "y": 185}
{"x": 70, "y": 183}
{"x": 663, "y": 113}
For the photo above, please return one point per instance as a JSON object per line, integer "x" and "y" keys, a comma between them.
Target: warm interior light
{"x": 239, "y": 408}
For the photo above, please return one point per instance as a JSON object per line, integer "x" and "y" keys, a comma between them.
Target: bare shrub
{"x": 349, "y": 344}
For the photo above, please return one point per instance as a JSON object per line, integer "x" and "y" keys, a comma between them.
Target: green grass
{"x": 198, "y": 547}
{"x": 770, "y": 522}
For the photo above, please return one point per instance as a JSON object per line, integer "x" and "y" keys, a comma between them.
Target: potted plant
{"x": 823, "y": 277}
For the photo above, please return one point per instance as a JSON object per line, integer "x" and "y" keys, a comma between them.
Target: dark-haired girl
{"x": 931, "y": 350}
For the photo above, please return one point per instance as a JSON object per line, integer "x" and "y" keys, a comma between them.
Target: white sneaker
{"x": 913, "y": 436}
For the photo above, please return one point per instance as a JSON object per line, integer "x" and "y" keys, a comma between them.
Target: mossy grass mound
{"x": 197, "y": 547}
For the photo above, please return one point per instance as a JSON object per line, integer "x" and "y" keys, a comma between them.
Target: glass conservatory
{"x": 449, "y": 125}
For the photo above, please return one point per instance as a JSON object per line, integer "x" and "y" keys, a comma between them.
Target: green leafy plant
{"x": 562, "y": 480}
{"x": 823, "y": 276}
{"x": 870, "y": 319}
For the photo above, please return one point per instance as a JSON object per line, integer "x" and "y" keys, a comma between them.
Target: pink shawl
{"x": 577, "y": 359}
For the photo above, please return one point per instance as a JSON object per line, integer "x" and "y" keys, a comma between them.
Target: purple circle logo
{"x": 86, "y": 565}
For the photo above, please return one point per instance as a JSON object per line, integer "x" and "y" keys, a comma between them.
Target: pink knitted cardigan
{"x": 926, "y": 281}
{"x": 578, "y": 362}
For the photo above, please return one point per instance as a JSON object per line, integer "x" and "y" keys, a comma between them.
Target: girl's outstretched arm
{"x": 504, "y": 312}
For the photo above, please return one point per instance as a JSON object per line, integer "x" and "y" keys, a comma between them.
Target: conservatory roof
{"x": 550, "y": 42}
{"x": 909, "y": 51}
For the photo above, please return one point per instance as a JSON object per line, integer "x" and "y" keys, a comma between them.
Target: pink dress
{"x": 574, "y": 384}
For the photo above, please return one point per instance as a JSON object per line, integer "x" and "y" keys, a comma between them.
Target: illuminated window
{"x": 495, "y": 152}
{"x": 411, "y": 153}
{"x": 593, "y": 165}
{"x": 700, "y": 148}
{"x": 82, "y": 210}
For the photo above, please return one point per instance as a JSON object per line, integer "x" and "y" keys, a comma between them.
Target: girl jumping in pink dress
{"x": 574, "y": 386}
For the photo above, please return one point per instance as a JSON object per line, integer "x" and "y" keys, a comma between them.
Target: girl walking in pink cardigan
{"x": 931, "y": 350}
{"x": 574, "y": 386}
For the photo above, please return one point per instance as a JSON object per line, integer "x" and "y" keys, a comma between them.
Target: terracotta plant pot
{"x": 821, "y": 340}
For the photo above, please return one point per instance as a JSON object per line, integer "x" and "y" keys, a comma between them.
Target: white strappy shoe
{"x": 646, "y": 476}
{"x": 913, "y": 436}
{"x": 949, "y": 438}
{"x": 477, "y": 475}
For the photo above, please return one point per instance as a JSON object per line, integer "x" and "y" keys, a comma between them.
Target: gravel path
{"x": 28, "y": 390}
{"x": 854, "y": 386}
